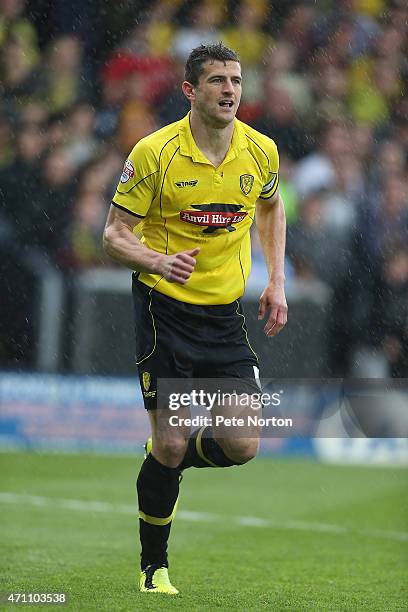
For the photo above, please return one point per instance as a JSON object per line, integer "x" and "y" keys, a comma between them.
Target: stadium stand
{"x": 326, "y": 80}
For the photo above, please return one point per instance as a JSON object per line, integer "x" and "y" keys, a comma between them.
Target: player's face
{"x": 218, "y": 93}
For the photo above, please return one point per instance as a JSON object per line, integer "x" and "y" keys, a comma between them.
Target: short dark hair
{"x": 204, "y": 53}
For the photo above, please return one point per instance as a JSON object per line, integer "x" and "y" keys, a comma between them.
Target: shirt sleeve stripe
{"x": 256, "y": 161}
{"x": 259, "y": 147}
{"x": 269, "y": 194}
{"x": 127, "y": 210}
{"x": 269, "y": 185}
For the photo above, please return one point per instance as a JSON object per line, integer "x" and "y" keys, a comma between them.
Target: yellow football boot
{"x": 155, "y": 579}
{"x": 148, "y": 447}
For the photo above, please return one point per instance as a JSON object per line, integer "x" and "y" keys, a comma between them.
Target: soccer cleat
{"x": 155, "y": 579}
{"x": 148, "y": 447}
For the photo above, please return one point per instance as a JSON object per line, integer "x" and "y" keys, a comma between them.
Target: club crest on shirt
{"x": 128, "y": 171}
{"x": 246, "y": 181}
{"x": 146, "y": 380}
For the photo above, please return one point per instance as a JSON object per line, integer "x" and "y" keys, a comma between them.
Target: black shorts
{"x": 179, "y": 340}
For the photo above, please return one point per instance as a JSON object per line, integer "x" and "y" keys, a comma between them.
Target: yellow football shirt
{"x": 185, "y": 202}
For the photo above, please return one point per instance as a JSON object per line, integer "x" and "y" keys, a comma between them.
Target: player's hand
{"x": 179, "y": 267}
{"x": 273, "y": 300}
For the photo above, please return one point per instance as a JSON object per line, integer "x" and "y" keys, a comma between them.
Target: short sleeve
{"x": 272, "y": 176}
{"x": 137, "y": 185}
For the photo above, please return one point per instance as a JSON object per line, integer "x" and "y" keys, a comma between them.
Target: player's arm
{"x": 120, "y": 243}
{"x": 271, "y": 225}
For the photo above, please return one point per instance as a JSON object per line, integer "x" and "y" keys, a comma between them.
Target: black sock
{"x": 204, "y": 452}
{"x": 157, "y": 490}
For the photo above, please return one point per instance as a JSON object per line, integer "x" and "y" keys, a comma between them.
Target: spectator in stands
{"x": 248, "y": 35}
{"x": 18, "y": 181}
{"x": 136, "y": 58}
{"x": 345, "y": 32}
{"x": 297, "y": 28}
{"x": 388, "y": 159}
{"x": 96, "y": 183}
{"x": 287, "y": 188}
{"x": 331, "y": 88}
{"x": 18, "y": 290}
{"x": 386, "y": 224}
{"x": 57, "y": 130}
{"x": 390, "y": 312}
{"x": 362, "y": 144}
{"x": 397, "y": 14}
{"x": 372, "y": 95}
{"x": 160, "y": 27}
{"x": 136, "y": 121}
{"x": 19, "y": 78}
{"x": 280, "y": 122}
{"x": 7, "y": 152}
{"x": 379, "y": 228}
{"x": 281, "y": 64}
{"x": 173, "y": 105}
{"x": 113, "y": 95}
{"x": 391, "y": 159}
{"x": 83, "y": 247}
{"x": 204, "y": 22}
{"x": 100, "y": 174}
{"x": 15, "y": 26}
{"x": 315, "y": 246}
{"x": 51, "y": 208}
{"x": 34, "y": 113}
{"x": 81, "y": 143}
{"x": 389, "y": 43}
{"x": 61, "y": 73}
{"x": 317, "y": 170}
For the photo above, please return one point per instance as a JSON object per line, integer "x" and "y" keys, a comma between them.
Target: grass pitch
{"x": 273, "y": 535}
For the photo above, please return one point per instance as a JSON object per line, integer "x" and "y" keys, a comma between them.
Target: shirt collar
{"x": 189, "y": 148}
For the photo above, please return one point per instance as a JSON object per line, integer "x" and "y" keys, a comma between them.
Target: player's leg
{"x": 158, "y": 490}
{"x": 224, "y": 446}
{"x": 228, "y": 356}
{"x": 239, "y": 442}
{"x": 204, "y": 451}
{"x": 240, "y": 450}
{"x": 158, "y": 480}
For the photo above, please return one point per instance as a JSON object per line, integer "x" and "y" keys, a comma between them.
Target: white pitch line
{"x": 201, "y": 517}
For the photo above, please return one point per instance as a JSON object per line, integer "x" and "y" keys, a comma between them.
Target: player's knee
{"x": 170, "y": 451}
{"x": 246, "y": 452}
{"x": 242, "y": 450}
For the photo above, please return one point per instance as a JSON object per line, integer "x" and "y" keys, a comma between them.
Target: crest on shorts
{"x": 146, "y": 380}
{"x": 246, "y": 181}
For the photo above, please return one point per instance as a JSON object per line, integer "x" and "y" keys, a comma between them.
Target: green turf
{"x": 216, "y": 565}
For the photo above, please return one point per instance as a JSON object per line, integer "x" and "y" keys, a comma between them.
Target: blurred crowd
{"x": 326, "y": 80}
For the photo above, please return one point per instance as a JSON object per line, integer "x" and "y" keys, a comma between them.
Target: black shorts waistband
{"x": 213, "y": 310}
